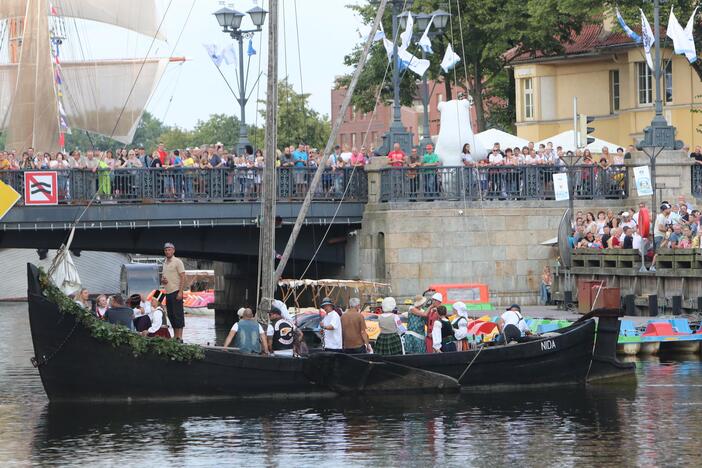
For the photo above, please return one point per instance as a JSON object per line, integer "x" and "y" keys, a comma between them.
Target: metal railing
{"x": 217, "y": 184}
{"x": 499, "y": 183}
{"x": 696, "y": 171}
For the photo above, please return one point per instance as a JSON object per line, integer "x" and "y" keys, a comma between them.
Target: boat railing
{"x": 499, "y": 183}
{"x": 140, "y": 185}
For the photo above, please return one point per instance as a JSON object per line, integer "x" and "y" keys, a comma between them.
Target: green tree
{"x": 149, "y": 131}
{"x": 297, "y": 122}
{"x": 481, "y": 33}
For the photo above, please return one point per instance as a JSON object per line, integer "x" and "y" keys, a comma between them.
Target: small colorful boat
{"x": 674, "y": 336}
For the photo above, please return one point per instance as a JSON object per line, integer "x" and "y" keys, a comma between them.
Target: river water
{"x": 656, "y": 423}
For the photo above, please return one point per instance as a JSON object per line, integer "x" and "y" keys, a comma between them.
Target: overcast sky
{"x": 328, "y": 30}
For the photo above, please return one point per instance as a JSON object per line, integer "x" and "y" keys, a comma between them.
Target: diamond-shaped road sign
{"x": 8, "y": 198}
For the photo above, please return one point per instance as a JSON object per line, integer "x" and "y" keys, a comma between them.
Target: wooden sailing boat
{"x": 43, "y": 97}
{"x": 78, "y": 364}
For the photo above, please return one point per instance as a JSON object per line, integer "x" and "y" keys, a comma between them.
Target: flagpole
{"x": 657, "y": 35}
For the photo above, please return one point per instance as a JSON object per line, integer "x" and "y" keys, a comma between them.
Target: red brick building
{"x": 367, "y": 127}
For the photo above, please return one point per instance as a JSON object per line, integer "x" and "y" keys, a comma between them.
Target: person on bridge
{"x": 174, "y": 281}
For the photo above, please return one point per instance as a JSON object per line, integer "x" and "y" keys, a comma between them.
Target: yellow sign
{"x": 8, "y": 198}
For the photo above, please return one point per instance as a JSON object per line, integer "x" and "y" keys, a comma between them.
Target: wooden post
{"x": 330, "y": 143}
{"x": 267, "y": 222}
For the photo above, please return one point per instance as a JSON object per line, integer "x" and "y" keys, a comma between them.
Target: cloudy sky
{"x": 328, "y": 30}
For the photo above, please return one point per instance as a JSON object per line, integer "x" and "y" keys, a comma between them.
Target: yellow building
{"x": 607, "y": 72}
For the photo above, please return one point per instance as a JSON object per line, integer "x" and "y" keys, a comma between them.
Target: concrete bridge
{"x": 408, "y": 228}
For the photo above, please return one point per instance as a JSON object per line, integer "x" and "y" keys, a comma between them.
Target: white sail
{"x": 34, "y": 106}
{"x": 136, "y": 15}
{"x": 8, "y": 82}
{"x": 94, "y": 94}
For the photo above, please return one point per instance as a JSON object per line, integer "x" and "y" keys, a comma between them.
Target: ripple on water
{"x": 653, "y": 424}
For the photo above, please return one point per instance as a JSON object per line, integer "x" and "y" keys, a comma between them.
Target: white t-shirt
{"x": 332, "y": 338}
{"x": 661, "y": 221}
{"x": 636, "y": 242}
{"x": 235, "y": 328}
{"x": 495, "y": 158}
{"x": 512, "y": 317}
{"x": 346, "y": 157}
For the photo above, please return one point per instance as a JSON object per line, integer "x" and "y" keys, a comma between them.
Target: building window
{"x": 614, "y": 91}
{"x": 353, "y": 139}
{"x": 374, "y": 138}
{"x": 363, "y": 139}
{"x": 528, "y": 92}
{"x": 645, "y": 81}
{"x": 668, "y": 81}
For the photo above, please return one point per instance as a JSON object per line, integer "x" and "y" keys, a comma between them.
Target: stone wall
{"x": 413, "y": 245}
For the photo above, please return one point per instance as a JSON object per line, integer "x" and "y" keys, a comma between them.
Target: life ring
{"x": 644, "y": 223}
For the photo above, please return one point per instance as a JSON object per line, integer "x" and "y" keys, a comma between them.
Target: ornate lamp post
{"x": 230, "y": 22}
{"x": 659, "y": 135}
{"x": 397, "y": 132}
{"x": 422, "y": 20}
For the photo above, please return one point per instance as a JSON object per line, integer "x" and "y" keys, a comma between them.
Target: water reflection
{"x": 448, "y": 429}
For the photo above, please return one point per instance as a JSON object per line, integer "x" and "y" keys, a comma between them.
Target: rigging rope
{"x": 172, "y": 54}
{"x": 353, "y": 170}
{"x": 141, "y": 68}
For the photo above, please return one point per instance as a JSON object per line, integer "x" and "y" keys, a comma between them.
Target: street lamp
{"x": 230, "y": 22}
{"x": 440, "y": 22}
{"x": 659, "y": 135}
{"x": 397, "y": 132}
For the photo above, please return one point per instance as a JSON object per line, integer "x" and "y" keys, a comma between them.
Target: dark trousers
{"x": 175, "y": 311}
{"x": 359, "y": 350}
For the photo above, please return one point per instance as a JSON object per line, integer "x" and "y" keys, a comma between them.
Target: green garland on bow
{"x": 118, "y": 335}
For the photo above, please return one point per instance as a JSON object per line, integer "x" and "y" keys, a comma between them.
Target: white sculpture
{"x": 455, "y": 131}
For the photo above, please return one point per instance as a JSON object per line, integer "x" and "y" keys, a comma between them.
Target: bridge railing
{"x": 499, "y": 183}
{"x": 180, "y": 184}
{"x": 696, "y": 182}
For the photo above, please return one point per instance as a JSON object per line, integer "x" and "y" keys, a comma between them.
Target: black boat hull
{"x": 75, "y": 366}
{"x": 560, "y": 359}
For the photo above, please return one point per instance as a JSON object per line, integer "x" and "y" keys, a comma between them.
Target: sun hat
{"x": 419, "y": 301}
{"x": 326, "y": 301}
{"x": 438, "y": 297}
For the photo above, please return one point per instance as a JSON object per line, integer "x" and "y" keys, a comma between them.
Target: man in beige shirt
{"x": 173, "y": 279}
{"x": 353, "y": 328}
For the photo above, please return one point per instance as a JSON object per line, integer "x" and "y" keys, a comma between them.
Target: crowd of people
{"x": 676, "y": 226}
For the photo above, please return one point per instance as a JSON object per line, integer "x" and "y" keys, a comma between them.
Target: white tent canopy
{"x": 566, "y": 140}
{"x": 491, "y": 136}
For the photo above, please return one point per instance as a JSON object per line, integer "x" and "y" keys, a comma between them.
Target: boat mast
{"x": 266, "y": 259}
{"x": 330, "y": 142}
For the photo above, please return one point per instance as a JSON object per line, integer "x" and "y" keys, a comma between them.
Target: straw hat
{"x": 419, "y": 300}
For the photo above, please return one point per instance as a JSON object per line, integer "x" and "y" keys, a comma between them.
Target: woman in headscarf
{"x": 388, "y": 342}
{"x": 415, "y": 337}
{"x": 460, "y": 326}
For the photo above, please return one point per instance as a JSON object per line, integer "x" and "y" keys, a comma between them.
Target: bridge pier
{"x": 233, "y": 289}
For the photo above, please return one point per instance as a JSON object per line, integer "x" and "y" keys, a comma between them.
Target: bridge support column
{"x": 232, "y": 290}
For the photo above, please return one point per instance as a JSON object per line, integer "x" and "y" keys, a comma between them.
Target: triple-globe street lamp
{"x": 439, "y": 23}
{"x": 230, "y": 21}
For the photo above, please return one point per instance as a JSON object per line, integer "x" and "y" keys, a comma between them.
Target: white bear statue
{"x": 455, "y": 131}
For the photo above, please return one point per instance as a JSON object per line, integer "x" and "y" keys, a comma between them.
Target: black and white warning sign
{"x": 40, "y": 188}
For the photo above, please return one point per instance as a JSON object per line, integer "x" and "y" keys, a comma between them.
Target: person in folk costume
{"x": 389, "y": 341}
{"x": 460, "y": 326}
{"x": 159, "y": 322}
{"x": 415, "y": 338}
{"x": 142, "y": 312}
{"x": 443, "y": 338}
{"x": 432, "y": 316}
